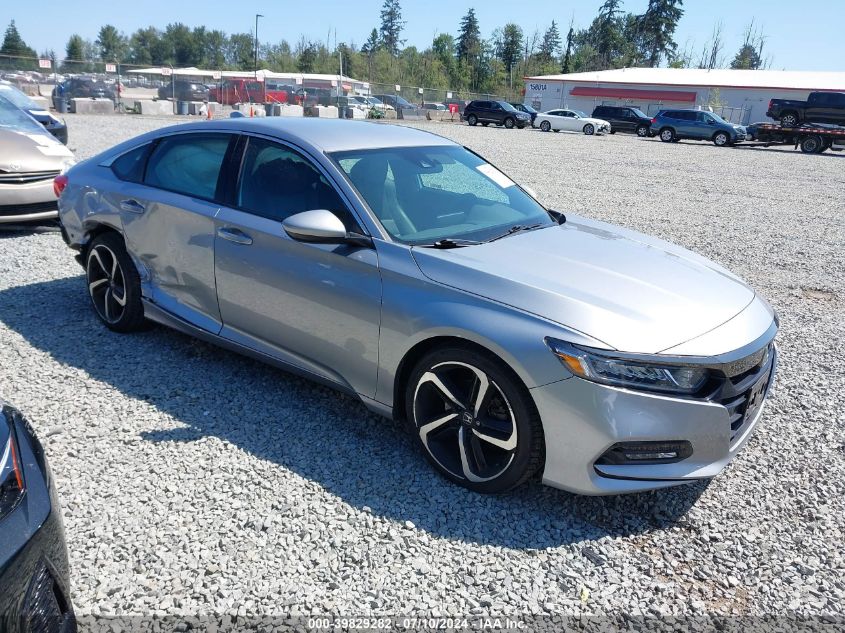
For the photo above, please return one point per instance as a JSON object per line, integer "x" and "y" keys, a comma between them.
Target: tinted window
{"x": 277, "y": 182}
{"x": 130, "y": 166}
{"x": 188, "y": 164}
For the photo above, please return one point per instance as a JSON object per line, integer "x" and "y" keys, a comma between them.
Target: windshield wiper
{"x": 517, "y": 228}
{"x": 448, "y": 242}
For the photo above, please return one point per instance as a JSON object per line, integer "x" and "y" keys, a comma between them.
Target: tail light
{"x": 59, "y": 184}
{"x": 654, "y": 120}
{"x": 770, "y": 103}
{"x": 11, "y": 470}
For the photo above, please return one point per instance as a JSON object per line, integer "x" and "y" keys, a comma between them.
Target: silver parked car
{"x": 408, "y": 271}
{"x": 30, "y": 158}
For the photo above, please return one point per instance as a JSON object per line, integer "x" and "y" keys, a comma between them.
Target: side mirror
{"x": 321, "y": 226}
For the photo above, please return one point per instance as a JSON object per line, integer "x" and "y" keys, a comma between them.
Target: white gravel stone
{"x": 195, "y": 481}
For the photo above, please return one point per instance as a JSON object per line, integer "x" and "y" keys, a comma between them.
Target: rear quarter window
{"x": 130, "y": 166}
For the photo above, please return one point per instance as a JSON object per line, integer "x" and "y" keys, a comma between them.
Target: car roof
{"x": 326, "y": 135}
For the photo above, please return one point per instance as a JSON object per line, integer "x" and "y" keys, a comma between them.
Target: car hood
{"x": 633, "y": 292}
{"x": 594, "y": 121}
{"x": 36, "y": 151}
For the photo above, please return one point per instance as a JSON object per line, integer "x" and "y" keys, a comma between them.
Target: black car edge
{"x": 527, "y": 109}
{"x": 184, "y": 91}
{"x": 497, "y": 112}
{"x": 34, "y": 576}
{"x": 624, "y": 119}
{"x": 53, "y": 124}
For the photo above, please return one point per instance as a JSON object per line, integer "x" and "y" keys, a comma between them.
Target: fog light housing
{"x": 645, "y": 453}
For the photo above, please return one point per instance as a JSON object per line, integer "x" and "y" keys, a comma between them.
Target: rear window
{"x": 188, "y": 164}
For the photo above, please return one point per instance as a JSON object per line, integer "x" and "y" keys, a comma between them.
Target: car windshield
{"x": 579, "y": 114}
{"x": 18, "y": 98}
{"x": 639, "y": 113}
{"x": 421, "y": 195}
{"x": 529, "y": 109}
{"x": 718, "y": 118}
{"x": 507, "y": 106}
{"x": 14, "y": 118}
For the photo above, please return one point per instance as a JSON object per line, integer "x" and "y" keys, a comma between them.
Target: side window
{"x": 130, "y": 166}
{"x": 188, "y": 164}
{"x": 276, "y": 182}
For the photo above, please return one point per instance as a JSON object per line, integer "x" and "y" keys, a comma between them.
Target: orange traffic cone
{"x": 208, "y": 113}
{"x": 250, "y": 112}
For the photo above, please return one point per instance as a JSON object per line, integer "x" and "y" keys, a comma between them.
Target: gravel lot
{"x": 195, "y": 481}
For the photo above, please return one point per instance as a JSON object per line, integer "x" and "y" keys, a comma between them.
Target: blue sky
{"x": 796, "y": 38}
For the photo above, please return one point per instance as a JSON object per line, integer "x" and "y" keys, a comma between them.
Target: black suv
{"x": 84, "y": 88}
{"x": 527, "y": 109}
{"x": 184, "y": 91}
{"x": 498, "y": 112}
{"x": 624, "y": 119}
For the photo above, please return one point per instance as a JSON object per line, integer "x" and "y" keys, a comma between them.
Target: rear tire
{"x": 589, "y": 129}
{"x": 789, "y": 119}
{"x": 667, "y": 135}
{"x": 812, "y": 144}
{"x": 472, "y": 119}
{"x": 474, "y": 420}
{"x": 114, "y": 286}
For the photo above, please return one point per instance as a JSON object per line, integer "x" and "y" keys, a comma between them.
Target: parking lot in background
{"x": 194, "y": 480}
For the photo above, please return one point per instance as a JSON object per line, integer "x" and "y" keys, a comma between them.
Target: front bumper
{"x": 28, "y": 202}
{"x": 34, "y": 578}
{"x": 583, "y": 419}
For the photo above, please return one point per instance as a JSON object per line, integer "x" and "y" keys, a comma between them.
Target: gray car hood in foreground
{"x": 633, "y": 292}
{"x": 37, "y": 151}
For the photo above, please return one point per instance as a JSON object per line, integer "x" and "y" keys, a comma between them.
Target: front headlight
{"x": 11, "y": 470}
{"x": 614, "y": 369}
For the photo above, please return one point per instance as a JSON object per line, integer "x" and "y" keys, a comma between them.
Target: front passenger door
{"x": 315, "y": 306}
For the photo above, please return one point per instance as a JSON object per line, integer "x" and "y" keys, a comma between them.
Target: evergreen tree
{"x": 567, "y": 58}
{"x": 75, "y": 49}
{"x": 550, "y": 47}
{"x": 391, "y": 26}
{"x": 13, "y": 44}
{"x": 469, "y": 38}
{"x": 113, "y": 45}
{"x": 372, "y": 43}
{"x": 511, "y": 45}
{"x": 746, "y": 59}
{"x": 657, "y": 27}
{"x": 608, "y": 32}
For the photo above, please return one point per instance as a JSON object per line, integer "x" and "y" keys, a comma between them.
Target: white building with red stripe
{"x": 741, "y": 96}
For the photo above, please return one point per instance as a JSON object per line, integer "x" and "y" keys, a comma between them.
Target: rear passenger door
{"x": 315, "y": 306}
{"x": 168, "y": 221}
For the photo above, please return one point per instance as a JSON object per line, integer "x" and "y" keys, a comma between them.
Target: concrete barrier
{"x": 154, "y": 108}
{"x": 251, "y": 109}
{"x": 92, "y": 106}
{"x": 412, "y": 114}
{"x": 326, "y": 112}
{"x": 390, "y": 114}
{"x": 291, "y": 110}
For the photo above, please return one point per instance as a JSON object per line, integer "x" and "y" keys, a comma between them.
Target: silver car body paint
{"x": 349, "y": 315}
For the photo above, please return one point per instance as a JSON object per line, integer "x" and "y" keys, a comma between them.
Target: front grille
{"x": 24, "y": 177}
{"x": 45, "y": 610}
{"x": 26, "y": 209}
{"x": 742, "y": 394}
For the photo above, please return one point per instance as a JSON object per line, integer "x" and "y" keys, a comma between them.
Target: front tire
{"x": 474, "y": 420}
{"x": 509, "y": 123}
{"x": 721, "y": 139}
{"x": 114, "y": 286}
{"x": 667, "y": 135}
{"x": 642, "y": 131}
{"x": 589, "y": 129}
{"x": 546, "y": 126}
{"x": 812, "y": 145}
{"x": 472, "y": 120}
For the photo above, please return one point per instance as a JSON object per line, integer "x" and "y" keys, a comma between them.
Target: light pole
{"x": 255, "y": 64}
{"x": 512, "y": 65}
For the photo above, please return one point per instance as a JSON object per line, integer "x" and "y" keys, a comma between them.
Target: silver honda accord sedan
{"x": 406, "y": 270}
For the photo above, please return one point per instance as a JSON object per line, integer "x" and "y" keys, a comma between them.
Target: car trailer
{"x": 811, "y": 139}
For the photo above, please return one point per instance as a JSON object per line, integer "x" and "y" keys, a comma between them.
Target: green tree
{"x": 306, "y": 55}
{"x": 180, "y": 45}
{"x": 510, "y": 47}
{"x": 14, "y": 46}
{"x": 75, "y": 49}
{"x": 469, "y": 49}
{"x": 566, "y": 67}
{"x": 550, "y": 46}
{"x": 747, "y": 58}
{"x": 112, "y": 44}
{"x": 657, "y": 27}
{"x": 391, "y": 26}
{"x": 240, "y": 52}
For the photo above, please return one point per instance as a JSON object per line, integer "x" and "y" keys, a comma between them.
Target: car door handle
{"x": 234, "y": 235}
{"x": 133, "y": 206}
